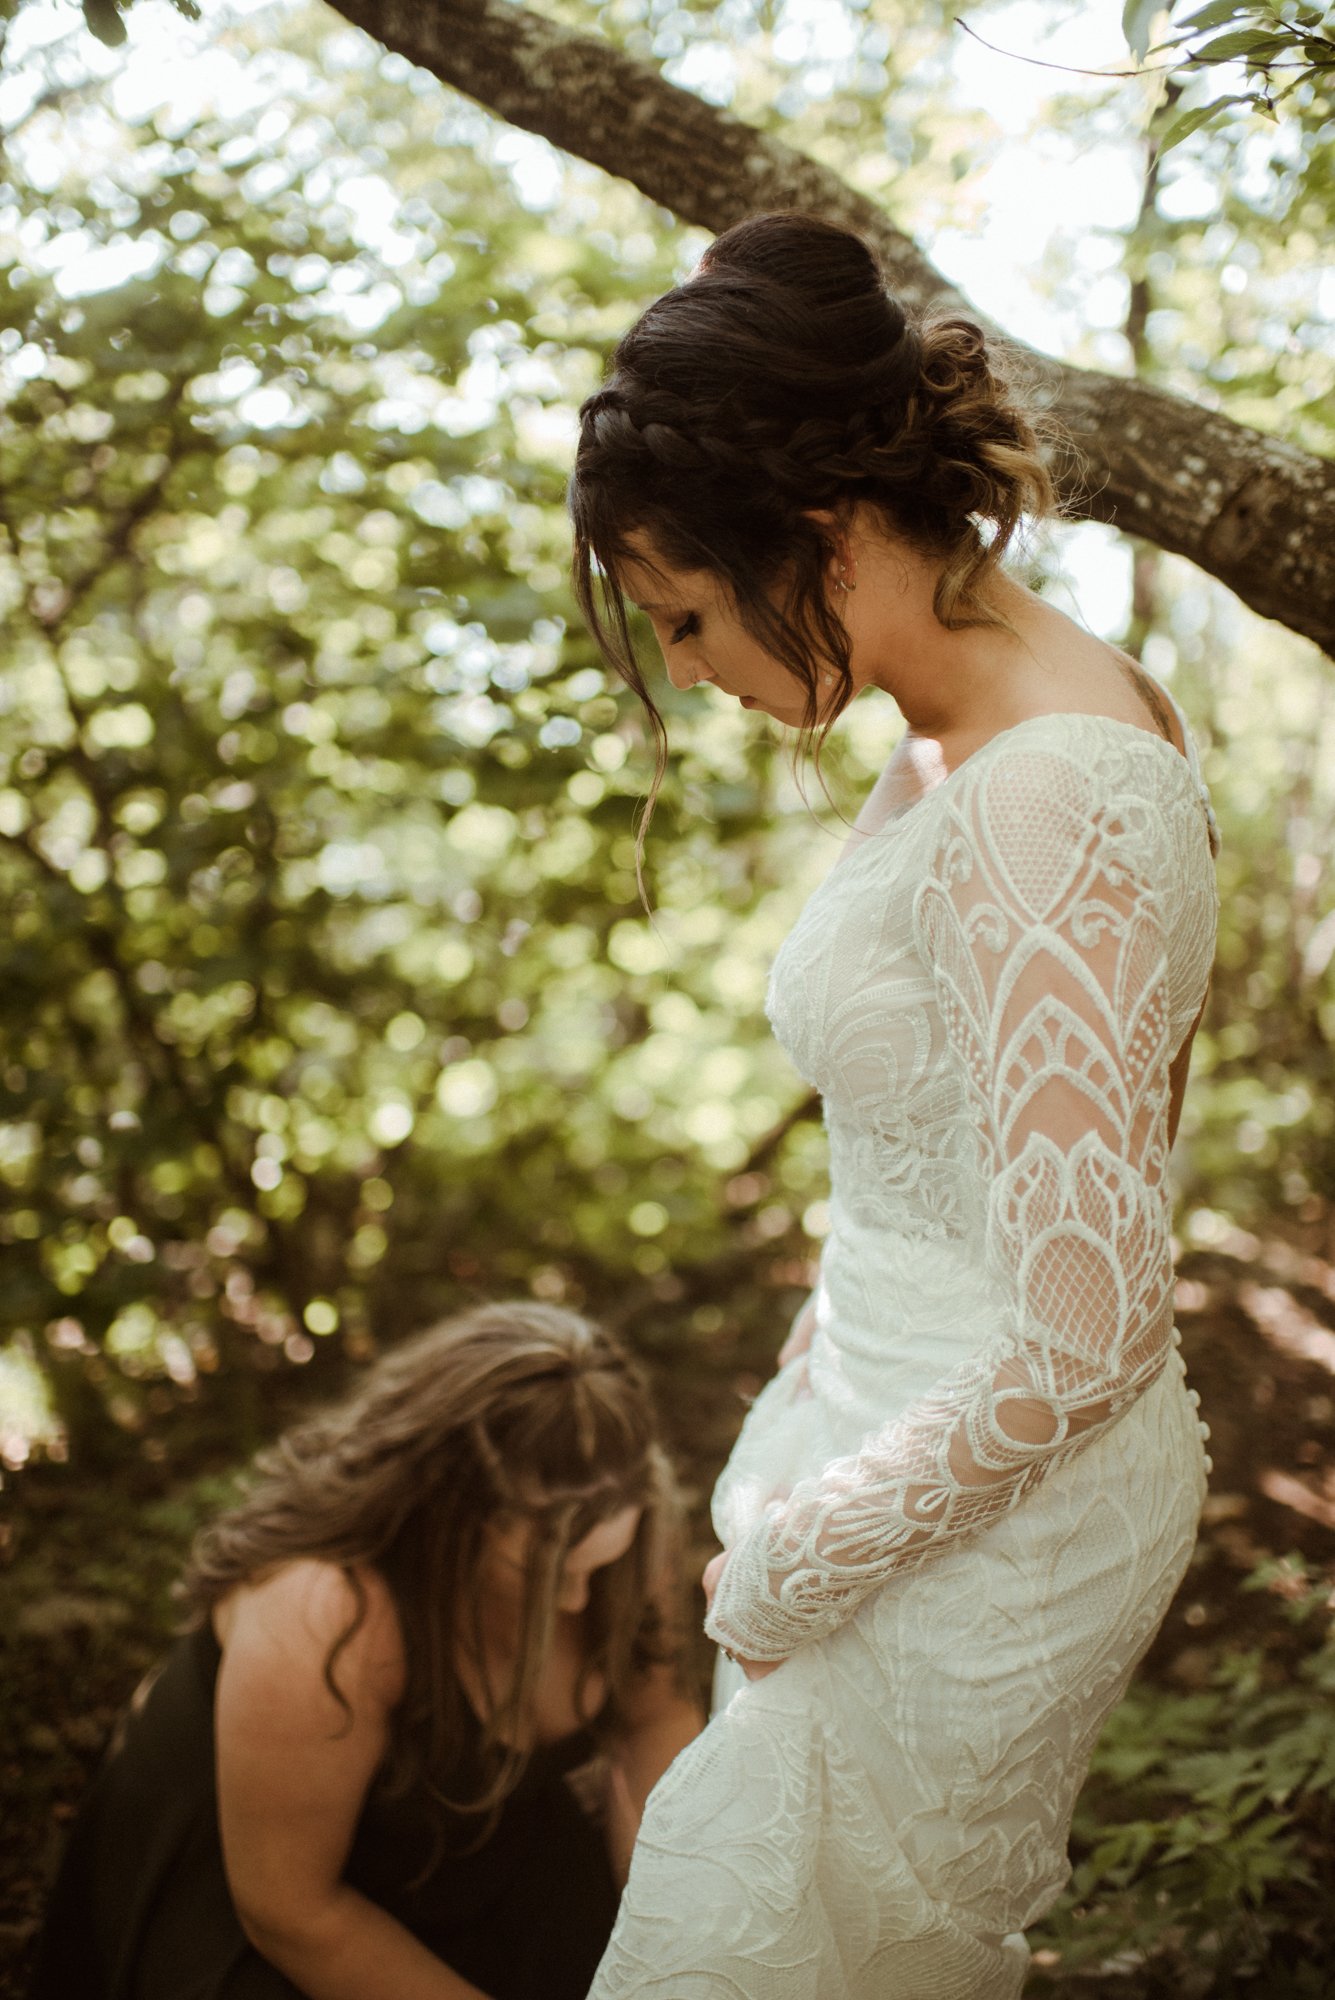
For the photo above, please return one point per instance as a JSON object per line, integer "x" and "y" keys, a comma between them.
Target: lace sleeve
{"x": 1046, "y": 947}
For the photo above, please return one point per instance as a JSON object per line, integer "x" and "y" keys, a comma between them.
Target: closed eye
{"x": 687, "y": 629}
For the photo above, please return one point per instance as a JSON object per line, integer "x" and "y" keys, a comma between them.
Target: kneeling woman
{"x": 441, "y": 1602}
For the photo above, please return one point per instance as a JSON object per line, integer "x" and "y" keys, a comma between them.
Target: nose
{"x": 679, "y": 674}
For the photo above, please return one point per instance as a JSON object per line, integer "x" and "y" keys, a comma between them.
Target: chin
{"x": 756, "y": 704}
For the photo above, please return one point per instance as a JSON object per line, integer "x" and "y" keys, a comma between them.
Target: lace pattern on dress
{"x": 1044, "y": 929}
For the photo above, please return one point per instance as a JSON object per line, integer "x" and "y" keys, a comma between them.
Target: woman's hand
{"x": 658, "y": 1720}
{"x": 755, "y": 1670}
{"x": 603, "y": 1791}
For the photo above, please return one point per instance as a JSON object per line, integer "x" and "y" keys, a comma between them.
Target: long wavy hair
{"x": 501, "y": 1413}
{"x": 780, "y": 378}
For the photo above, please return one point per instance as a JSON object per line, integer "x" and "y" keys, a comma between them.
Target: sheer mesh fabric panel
{"x": 1045, "y": 941}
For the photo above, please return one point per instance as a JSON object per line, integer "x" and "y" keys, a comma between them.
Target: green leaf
{"x": 104, "y": 21}
{"x": 1213, "y": 16}
{"x": 1243, "y": 42}
{"x": 1136, "y": 18}
{"x": 1194, "y": 121}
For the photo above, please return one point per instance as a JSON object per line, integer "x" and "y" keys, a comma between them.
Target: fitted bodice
{"x": 988, "y": 991}
{"x": 853, "y": 1000}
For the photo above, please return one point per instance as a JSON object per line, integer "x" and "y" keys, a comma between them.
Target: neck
{"x": 946, "y": 684}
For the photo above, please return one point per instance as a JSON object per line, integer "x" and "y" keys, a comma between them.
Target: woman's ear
{"x": 840, "y": 566}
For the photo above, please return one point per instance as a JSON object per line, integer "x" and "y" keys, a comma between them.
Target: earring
{"x": 843, "y": 582}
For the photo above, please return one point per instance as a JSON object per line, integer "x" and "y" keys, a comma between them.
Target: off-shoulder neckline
{"x": 1186, "y": 757}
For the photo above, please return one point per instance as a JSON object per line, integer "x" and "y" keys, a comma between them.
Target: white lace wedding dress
{"x": 960, "y": 1518}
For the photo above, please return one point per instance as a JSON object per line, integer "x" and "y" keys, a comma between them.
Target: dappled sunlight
{"x": 1258, "y": 1315}
{"x": 330, "y": 1001}
{"x": 1295, "y": 1494}
{"x": 28, "y": 1421}
{"x": 1288, "y": 1325}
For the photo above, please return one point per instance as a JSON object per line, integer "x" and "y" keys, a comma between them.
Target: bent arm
{"x": 1046, "y": 947}
{"x": 345, "y": 1947}
{"x": 657, "y": 1718}
{"x": 294, "y": 1768}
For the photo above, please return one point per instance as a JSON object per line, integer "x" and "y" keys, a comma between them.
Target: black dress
{"x": 141, "y": 1908}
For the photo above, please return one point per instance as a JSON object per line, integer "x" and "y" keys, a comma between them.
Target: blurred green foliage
{"x": 1204, "y": 1833}
{"x": 1284, "y": 49}
{"x": 327, "y": 998}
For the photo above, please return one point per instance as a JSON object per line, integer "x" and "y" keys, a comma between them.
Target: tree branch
{"x": 1251, "y": 510}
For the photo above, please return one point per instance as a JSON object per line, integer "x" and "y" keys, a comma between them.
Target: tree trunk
{"x": 1255, "y": 512}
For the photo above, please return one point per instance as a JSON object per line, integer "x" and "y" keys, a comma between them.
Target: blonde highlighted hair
{"x": 507, "y": 1411}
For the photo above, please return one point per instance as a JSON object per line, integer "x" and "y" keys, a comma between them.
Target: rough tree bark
{"x": 1251, "y": 510}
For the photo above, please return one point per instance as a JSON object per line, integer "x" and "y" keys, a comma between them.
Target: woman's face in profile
{"x": 703, "y": 640}
{"x": 504, "y": 1562}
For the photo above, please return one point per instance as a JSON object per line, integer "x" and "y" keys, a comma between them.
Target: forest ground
{"x": 85, "y": 1563}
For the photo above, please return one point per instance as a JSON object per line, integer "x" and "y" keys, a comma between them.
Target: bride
{"x": 955, "y": 1518}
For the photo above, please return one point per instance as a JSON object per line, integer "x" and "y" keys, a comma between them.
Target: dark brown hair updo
{"x": 515, "y": 1410}
{"x": 783, "y": 377}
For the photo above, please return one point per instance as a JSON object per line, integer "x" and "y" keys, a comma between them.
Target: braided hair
{"x": 779, "y": 379}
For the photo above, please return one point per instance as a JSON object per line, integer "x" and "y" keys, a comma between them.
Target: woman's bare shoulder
{"x": 298, "y": 1612}
{"x": 1083, "y": 673}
